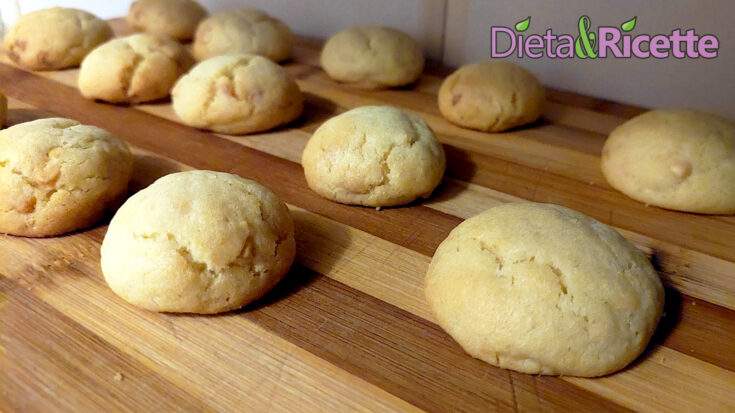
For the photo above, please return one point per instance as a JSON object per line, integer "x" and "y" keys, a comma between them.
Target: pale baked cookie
{"x": 57, "y": 176}
{"x": 243, "y": 31}
{"x": 372, "y": 57}
{"x": 491, "y": 97}
{"x": 133, "y": 69}
{"x": 55, "y": 38}
{"x": 543, "y": 289}
{"x": 237, "y": 94}
{"x": 675, "y": 159}
{"x": 373, "y": 156}
{"x": 198, "y": 242}
{"x": 177, "y": 19}
{"x": 3, "y": 110}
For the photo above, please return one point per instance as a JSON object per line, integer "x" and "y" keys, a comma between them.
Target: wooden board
{"x": 348, "y": 329}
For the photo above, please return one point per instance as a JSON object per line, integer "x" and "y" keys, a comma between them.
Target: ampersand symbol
{"x": 585, "y": 44}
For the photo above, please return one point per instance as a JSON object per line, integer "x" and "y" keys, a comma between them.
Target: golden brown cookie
{"x": 372, "y": 57}
{"x": 675, "y": 159}
{"x": 491, "y": 97}
{"x": 133, "y": 69}
{"x": 237, "y": 94}
{"x": 57, "y": 176}
{"x": 177, "y": 19}
{"x": 245, "y": 30}
{"x": 374, "y": 156}
{"x": 198, "y": 242}
{"x": 542, "y": 289}
{"x": 55, "y": 38}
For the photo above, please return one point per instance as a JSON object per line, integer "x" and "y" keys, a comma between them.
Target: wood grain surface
{"x": 348, "y": 329}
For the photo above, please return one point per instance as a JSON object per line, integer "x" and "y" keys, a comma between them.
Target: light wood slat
{"x": 231, "y": 363}
{"x": 665, "y": 371}
{"x": 45, "y": 358}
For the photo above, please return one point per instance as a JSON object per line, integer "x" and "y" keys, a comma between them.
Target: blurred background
{"x": 458, "y": 31}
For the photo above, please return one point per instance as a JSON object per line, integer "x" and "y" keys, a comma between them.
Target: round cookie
{"x": 676, "y": 159}
{"x": 57, "y": 176}
{"x": 245, "y": 30}
{"x": 373, "y": 156}
{"x": 198, "y": 242}
{"x": 237, "y": 94}
{"x": 372, "y": 57}
{"x": 177, "y": 19}
{"x": 542, "y": 289}
{"x": 3, "y": 110}
{"x": 491, "y": 97}
{"x": 133, "y": 69}
{"x": 55, "y": 38}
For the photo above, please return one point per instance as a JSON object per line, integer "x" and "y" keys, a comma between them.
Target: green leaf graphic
{"x": 522, "y": 25}
{"x": 629, "y": 25}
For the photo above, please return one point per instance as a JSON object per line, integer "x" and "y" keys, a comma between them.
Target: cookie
{"x": 198, "y": 242}
{"x": 542, "y": 289}
{"x": 373, "y": 156}
{"x": 675, "y": 159}
{"x": 245, "y": 30}
{"x": 372, "y": 57}
{"x": 133, "y": 69}
{"x": 57, "y": 176}
{"x": 55, "y": 38}
{"x": 177, "y": 19}
{"x": 237, "y": 94}
{"x": 491, "y": 97}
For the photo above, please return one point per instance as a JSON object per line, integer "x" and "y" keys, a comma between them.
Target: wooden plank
{"x": 230, "y": 363}
{"x": 47, "y": 358}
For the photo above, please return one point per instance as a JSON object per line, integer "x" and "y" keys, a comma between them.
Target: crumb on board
{"x": 378, "y": 208}
{"x": 119, "y": 376}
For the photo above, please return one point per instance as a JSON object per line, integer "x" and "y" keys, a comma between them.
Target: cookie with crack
{"x": 491, "y": 97}
{"x": 57, "y": 176}
{"x": 543, "y": 289}
{"x": 245, "y": 30}
{"x": 237, "y": 94}
{"x": 372, "y": 57}
{"x": 374, "y": 156}
{"x": 133, "y": 69}
{"x": 676, "y": 159}
{"x": 198, "y": 242}
{"x": 177, "y": 19}
{"x": 55, "y": 38}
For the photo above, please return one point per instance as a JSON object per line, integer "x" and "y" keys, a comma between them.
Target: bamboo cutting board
{"x": 348, "y": 329}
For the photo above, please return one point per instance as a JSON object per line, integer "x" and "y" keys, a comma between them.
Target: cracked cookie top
{"x": 491, "y": 96}
{"x": 57, "y": 175}
{"x": 237, "y": 94}
{"x": 374, "y": 156}
{"x": 55, "y": 38}
{"x": 543, "y": 289}
{"x": 676, "y": 159}
{"x": 245, "y": 30}
{"x": 133, "y": 69}
{"x": 372, "y": 57}
{"x": 177, "y": 19}
{"x": 198, "y": 242}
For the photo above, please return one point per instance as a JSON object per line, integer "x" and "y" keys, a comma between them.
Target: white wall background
{"x": 457, "y": 31}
